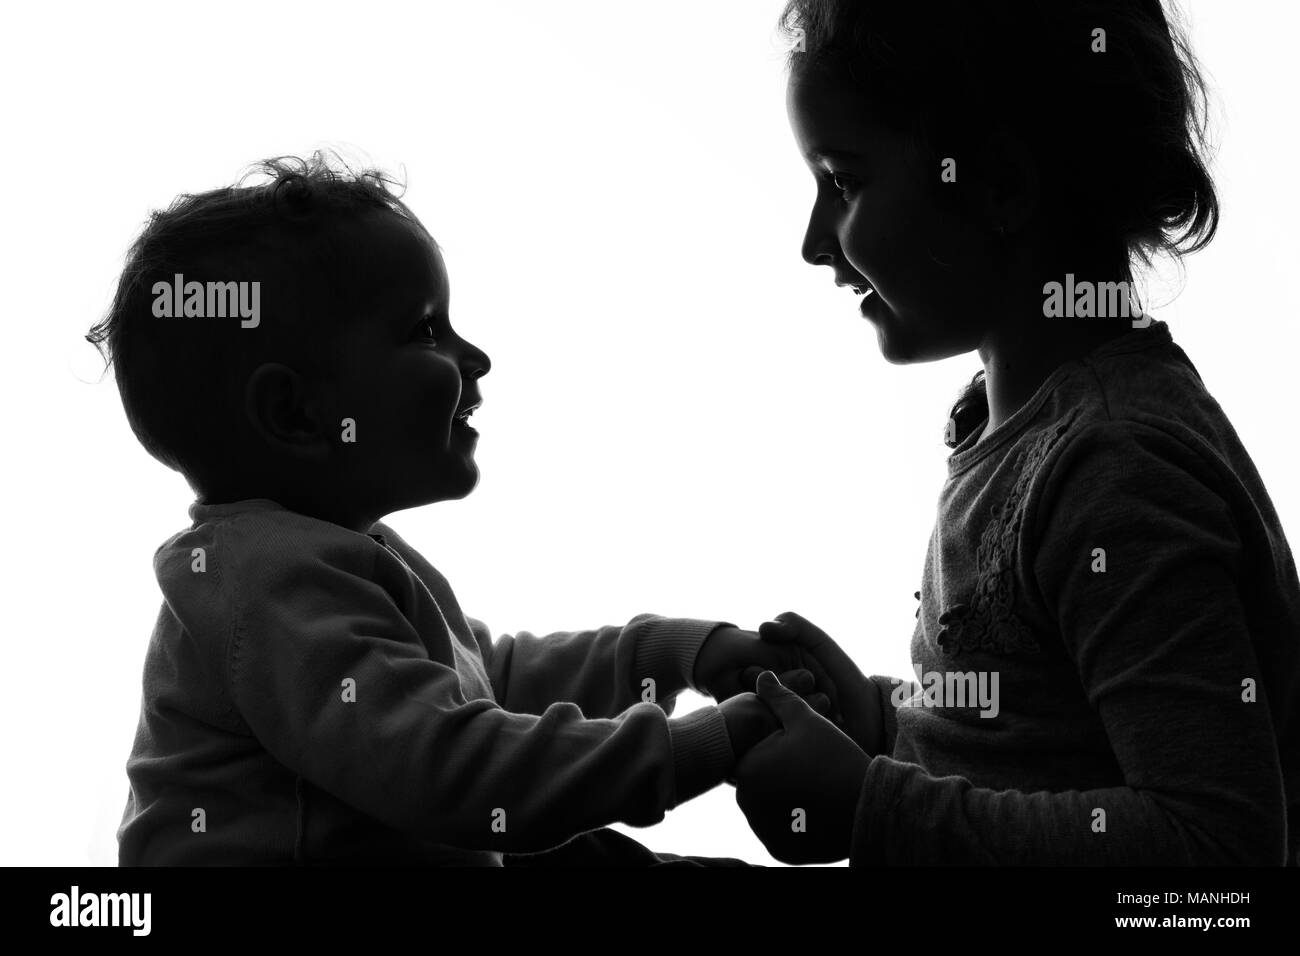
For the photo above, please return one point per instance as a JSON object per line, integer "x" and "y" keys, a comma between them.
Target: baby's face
{"x": 875, "y": 223}
{"x": 405, "y": 378}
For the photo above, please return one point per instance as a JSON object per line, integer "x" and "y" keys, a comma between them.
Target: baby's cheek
{"x": 441, "y": 389}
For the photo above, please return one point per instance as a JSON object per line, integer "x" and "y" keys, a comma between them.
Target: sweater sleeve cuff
{"x": 702, "y": 752}
{"x": 878, "y": 808}
{"x": 889, "y": 687}
{"x": 666, "y": 649}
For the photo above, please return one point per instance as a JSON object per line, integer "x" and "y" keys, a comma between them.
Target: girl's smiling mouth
{"x": 861, "y": 287}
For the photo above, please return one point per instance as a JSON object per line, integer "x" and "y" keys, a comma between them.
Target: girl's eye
{"x": 846, "y": 184}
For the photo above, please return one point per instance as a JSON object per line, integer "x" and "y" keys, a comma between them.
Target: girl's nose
{"x": 820, "y": 245}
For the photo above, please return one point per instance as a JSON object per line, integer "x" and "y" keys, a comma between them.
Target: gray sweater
{"x": 316, "y": 696}
{"x": 1107, "y": 568}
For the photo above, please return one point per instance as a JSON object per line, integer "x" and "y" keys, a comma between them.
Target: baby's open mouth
{"x": 862, "y": 288}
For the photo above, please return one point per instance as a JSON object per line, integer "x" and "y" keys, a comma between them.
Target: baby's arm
{"x": 337, "y": 685}
{"x": 1162, "y": 647}
{"x": 604, "y": 671}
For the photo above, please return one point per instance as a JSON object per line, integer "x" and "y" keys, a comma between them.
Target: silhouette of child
{"x": 312, "y": 692}
{"x": 1105, "y": 551}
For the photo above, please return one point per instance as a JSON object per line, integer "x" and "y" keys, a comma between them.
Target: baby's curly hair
{"x": 287, "y": 219}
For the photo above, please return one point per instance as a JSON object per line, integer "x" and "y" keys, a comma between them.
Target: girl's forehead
{"x": 832, "y": 120}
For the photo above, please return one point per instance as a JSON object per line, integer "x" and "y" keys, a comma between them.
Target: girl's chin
{"x": 896, "y": 346}
{"x": 903, "y": 345}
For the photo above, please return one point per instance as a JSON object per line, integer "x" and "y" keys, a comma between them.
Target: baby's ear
{"x": 284, "y": 412}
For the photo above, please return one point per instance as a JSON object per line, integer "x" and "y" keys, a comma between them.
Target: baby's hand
{"x": 728, "y": 653}
{"x": 749, "y": 720}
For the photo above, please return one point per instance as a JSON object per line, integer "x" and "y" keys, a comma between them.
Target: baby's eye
{"x": 425, "y": 331}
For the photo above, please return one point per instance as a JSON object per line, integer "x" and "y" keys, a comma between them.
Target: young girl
{"x": 1106, "y": 564}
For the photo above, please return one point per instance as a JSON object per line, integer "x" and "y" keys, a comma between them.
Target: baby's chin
{"x": 450, "y": 482}
{"x": 455, "y": 482}
{"x": 465, "y": 490}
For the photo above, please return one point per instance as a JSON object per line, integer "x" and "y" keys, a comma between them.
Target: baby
{"x": 313, "y": 693}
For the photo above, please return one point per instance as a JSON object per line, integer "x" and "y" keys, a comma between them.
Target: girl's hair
{"x": 1106, "y": 94}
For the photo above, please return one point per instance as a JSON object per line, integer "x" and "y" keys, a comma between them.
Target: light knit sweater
{"x": 1111, "y": 553}
{"x": 313, "y": 695}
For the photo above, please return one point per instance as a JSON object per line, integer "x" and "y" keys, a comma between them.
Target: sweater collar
{"x": 200, "y": 512}
{"x": 973, "y": 450}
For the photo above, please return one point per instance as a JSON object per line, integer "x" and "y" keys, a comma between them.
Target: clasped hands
{"x": 803, "y": 742}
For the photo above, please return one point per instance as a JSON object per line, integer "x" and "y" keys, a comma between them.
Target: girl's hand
{"x": 855, "y": 698}
{"x": 750, "y": 720}
{"x": 799, "y": 788}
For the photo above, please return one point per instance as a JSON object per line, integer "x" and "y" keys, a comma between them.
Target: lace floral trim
{"x": 988, "y": 622}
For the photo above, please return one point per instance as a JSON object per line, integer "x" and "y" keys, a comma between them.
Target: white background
{"x": 682, "y": 417}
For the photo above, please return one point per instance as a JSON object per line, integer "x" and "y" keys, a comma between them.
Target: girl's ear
{"x": 283, "y": 411}
{"x": 1012, "y": 180}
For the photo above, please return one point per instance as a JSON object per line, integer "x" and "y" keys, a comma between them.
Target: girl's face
{"x": 876, "y": 224}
